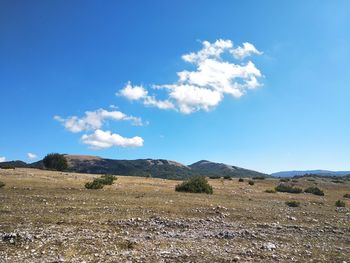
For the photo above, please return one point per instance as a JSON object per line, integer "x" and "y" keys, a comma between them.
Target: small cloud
{"x": 95, "y": 119}
{"x": 2, "y": 159}
{"x": 112, "y": 106}
{"x": 133, "y": 92}
{"x": 105, "y": 139}
{"x": 32, "y": 156}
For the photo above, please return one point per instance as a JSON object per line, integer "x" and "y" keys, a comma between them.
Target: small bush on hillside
{"x": 95, "y": 184}
{"x": 340, "y": 203}
{"x": 2, "y": 184}
{"x": 293, "y": 203}
{"x": 284, "y": 180}
{"x": 251, "y": 182}
{"x": 98, "y": 183}
{"x": 311, "y": 179}
{"x": 240, "y": 180}
{"x": 259, "y": 177}
{"x": 270, "y": 191}
{"x": 214, "y": 177}
{"x": 347, "y": 196}
{"x": 55, "y": 161}
{"x": 196, "y": 184}
{"x": 314, "y": 190}
{"x": 288, "y": 189}
{"x": 227, "y": 177}
{"x": 338, "y": 181}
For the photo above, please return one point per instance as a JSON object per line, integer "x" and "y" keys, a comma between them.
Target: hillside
{"x": 208, "y": 168}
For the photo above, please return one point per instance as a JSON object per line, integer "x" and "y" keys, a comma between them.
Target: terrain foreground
{"x": 50, "y": 217}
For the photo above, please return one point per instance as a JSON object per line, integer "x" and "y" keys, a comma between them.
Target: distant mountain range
{"x": 315, "y": 172}
{"x": 158, "y": 168}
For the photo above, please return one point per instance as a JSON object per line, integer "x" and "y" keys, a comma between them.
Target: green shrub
{"x": 338, "y": 181}
{"x": 196, "y": 184}
{"x": 95, "y": 184}
{"x": 214, "y": 177}
{"x": 347, "y": 196}
{"x": 288, "y": 189}
{"x": 240, "y": 180}
{"x": 270, "y": 191}
{"x": 259, "y": 177}
{"x": 314, "y": 190}
{"x": 227, "y": 177}
{"x": 55, "y": 161}
{"x": 2, "y": 184}
{"x": 293, "y": 203}
{"x": 251, "y": 182}
{"x": 311, "y": 179}
{"x": 284, "y": 180}
{"x": 340, "y": 203}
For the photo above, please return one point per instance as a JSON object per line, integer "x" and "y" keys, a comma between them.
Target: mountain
{"x": 315, "y": 172}
{"x": 208, "y": 168}
{"x": 17, "y": 163}
{"x": 158, "y": 168}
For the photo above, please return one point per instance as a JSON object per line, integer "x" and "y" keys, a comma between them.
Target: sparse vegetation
{"x": 251, "y": 182}
{"x": 284, "y": 188}
{"x": 338, "y": 181}
{"x": 55, "y": 161}
{"x": 284, "y": 180}
{"x": 314, "y": 190}
{"x": 240, "y": 180}
{"x": 214, "y": 177}
{"x": 227, "y": 177}
{"x": 340, "y": 203}
{"x": 259, "y": 178}
{"x": 2, "y": 184}
{"x": 98, "y": 183}
{"x": 347, "y": 196}
{"x": 270, "y": 191}
{"x": 196, "y": 184}
{"x": 7, "y": 167}
{"x": 293, "y": 203}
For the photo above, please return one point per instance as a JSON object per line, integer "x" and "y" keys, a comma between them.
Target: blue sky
{"x": 64, "y": 58}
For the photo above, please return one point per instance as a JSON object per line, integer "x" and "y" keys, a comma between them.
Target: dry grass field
{"x": 50, "y": 217}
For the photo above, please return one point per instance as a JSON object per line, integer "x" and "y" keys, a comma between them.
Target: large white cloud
{"x": 213, "y": 78}
{"x": 2, "y": 159}
{"x": 105, "y": 139}
{"x": 94, "y": 120}
{"x": 32, "y": 156}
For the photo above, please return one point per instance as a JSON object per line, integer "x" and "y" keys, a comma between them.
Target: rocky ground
{"x": 50, "y": 217}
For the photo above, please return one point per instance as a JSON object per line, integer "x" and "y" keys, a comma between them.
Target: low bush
{"x": 240, "y": 180}
{"x": 214, "y": 177}
{"x": 340, "y": 203}
{"x": 293, "y": 203}
{"x": 251, "y": 182}
{"x": 338, "y": 181}
{"x": 2, "y": 184}
{"x": 95, "y": 184}
{"x": 196, "y": 184}
{"x": 314, "y": 190}
{"x": 284, "y": 180}
{"x": 270, "y": 191}
{"x": 98, "y": 183}
{"x": 347, "y": 196}
{"x": 284, "y": 188}
{"x": 259, "y": 177}
{"x": 228, "y": 177}
{"x": 55, "y": 161}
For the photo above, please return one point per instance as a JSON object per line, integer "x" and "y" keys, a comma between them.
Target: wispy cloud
{"x": 32, "y": 156}
{"x": 2, "y": 159}
{"x": 95, "y": 119}
{"x": 204, "y": 88}
{"x": 106, "y": 139}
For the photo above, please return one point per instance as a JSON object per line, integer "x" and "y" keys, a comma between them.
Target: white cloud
{"x": 105, "y": 139}
{"x": 32, "y": 156}
{"x": 2, "y": 159}
{"x": 245, "y": 51}
{"x": 94, "y": 120}
{"x": 133, "y": 92}
{"x": 205, "y": 87}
